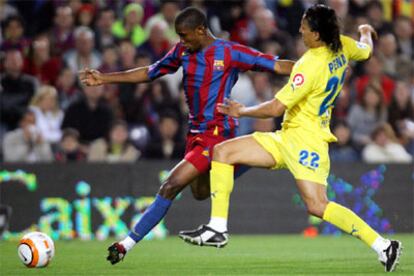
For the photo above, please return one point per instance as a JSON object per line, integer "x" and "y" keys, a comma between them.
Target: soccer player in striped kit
{"x": 210, "y": 69}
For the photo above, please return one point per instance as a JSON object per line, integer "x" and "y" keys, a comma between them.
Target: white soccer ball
{"x": 36, "y": 249}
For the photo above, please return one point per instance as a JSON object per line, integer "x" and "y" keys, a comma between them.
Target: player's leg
{"x": 242, "y": 150}
{"x": 200, "y": 187}
{"x": 181, "y": 175}
{"x": 317, "y": 204}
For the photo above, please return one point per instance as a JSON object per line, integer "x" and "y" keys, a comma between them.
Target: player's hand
{"x": 231, "y": 108}
{"x": 367, "y": 29}
{"x": 90, "y": 77}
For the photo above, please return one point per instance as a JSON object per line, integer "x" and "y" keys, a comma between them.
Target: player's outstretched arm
{"x": 269, "y": 109}
{"x": 284, "y": 66}
{"x": 367, "y": 33}
{"x": 91, "y": 77}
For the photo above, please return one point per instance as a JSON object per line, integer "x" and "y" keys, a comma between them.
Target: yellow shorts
{"x": 299, "y": 151}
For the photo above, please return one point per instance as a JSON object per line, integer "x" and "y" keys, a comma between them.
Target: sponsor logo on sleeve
{"x": 298, "y": 80}
{"x": 361, "y": 45}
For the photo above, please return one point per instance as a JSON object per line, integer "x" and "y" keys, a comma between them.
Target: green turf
{"x": 245, "y": 255}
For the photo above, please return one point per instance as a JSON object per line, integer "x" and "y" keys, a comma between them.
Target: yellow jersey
{"x": 315, "y": 82}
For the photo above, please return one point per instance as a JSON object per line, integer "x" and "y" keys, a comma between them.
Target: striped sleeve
{"x": 168, "y": 64}
{"x": 245, "y": 58}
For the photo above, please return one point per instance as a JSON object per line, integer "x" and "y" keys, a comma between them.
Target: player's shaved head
{"x": 323, "y": 20}
{"x": 191, "y": 18}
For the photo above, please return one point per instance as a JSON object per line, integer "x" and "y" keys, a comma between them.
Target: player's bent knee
{"x": 316, "y": 208}
{"x": 171, "y": 188}
{"x": 222, "y": 153}
{"x": 200, "y": 195}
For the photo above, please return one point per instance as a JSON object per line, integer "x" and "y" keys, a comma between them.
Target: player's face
{"x": 191, "y": 39}
{"x": 308, "y": 36}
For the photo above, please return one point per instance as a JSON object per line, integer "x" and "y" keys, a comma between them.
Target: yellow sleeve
{"x": 301, "y": 82}
{"x": 355, "y": 50}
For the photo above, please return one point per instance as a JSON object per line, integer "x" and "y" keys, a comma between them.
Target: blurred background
{"x": 48, "y": 119}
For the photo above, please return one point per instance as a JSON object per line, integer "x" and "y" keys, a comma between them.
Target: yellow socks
{"x": 221, "y": 186}
{"x": 349, "y": 222}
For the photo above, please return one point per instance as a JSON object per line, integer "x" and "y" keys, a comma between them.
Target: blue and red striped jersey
{"x": 208, "y": 77}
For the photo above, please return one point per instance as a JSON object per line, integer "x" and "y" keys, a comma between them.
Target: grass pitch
{"x": 244, "y": 255}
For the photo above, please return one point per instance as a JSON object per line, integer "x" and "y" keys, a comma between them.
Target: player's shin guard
{"x": 349, "y": 222}
{"x": 221, "y": 186}
{"x": 152, "y": 216}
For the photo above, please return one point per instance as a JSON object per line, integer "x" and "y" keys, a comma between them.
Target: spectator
{"x": 168, "y": 11}
{"x": 130, "y": 25}
{"x": 403, "y": 30}
{"x": 211, "y": 9}
{"x": 264, "y": 92}
{"x": 147, "y": 101}
{"x": 340, "y": 7}
{"x": 262, "y": 87}
{"x": 244, "y": 29}
{"x": 127, "y": 54}
{"x": 26, "y": 144}
{"x": 168, "y": 142}
{"x": 6, "y": 10}
{"x": 37, "y": 14}
{"x": 267, "y": 31}
{"x": 157, "y": 44}
{"x": 14, "y": 35}
{"x": 244, "y": 93}
{"x": 103, "y": 28}
{"x": 16, "y": 90}
{"x": 49, "y": 117}
{"x": 69, "y": 148}
{"x": 374, "y": 74}
{"x": 66, "y": 87}
{"x": 89, "y": 114}
{"x": 129, "y": 91}
{"x": 365, "y": 117}
{"x": 401, "y": 113}
{"x": 384, "y": 147}
{"x": 116, "y": 147}
{"x": 84, "y": 55}
{"x": 110, "y": 64}
{"x": 343, "y": 150}
{"x": 375, "y": 13}
{"x": 39, "y": 62}
{"x": 85, "y": 16}
{"x": 109, "y": 59}
{"x": 61, "y": 35}
{"x": 393, "y": 64}
{"x": 288, "y": 13}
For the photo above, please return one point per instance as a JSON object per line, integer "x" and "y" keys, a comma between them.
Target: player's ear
{"x": 317, "y": 36}
{"x": 201, "y": 30}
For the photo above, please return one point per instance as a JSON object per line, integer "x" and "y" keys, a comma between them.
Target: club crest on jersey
{"x": 298, "y": 80}
{"x": 218, "y": 65}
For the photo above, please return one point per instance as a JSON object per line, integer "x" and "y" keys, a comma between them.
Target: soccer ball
{"x": 36, "y": 249}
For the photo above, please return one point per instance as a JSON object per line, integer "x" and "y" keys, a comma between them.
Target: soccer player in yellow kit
{"x": 301, "y": 146}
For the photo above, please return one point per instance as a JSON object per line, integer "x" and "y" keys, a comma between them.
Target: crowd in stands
{"x": 46, "y": 115}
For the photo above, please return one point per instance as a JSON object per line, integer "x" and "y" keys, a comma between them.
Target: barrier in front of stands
{"x": 94, "y": 201}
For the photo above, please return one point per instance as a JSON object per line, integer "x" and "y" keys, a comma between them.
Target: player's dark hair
{"x": 322, "y": 19}
{"x": 191, "y": 18}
